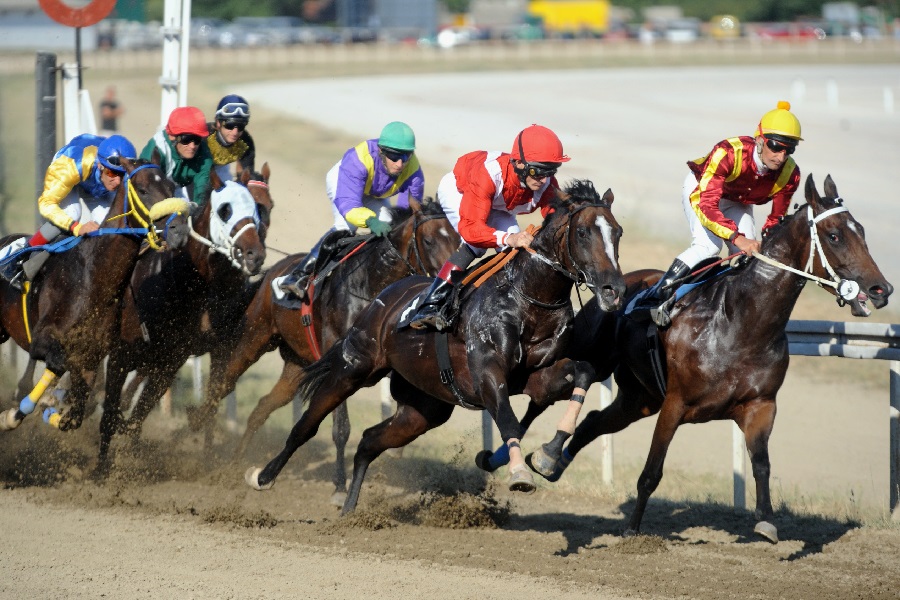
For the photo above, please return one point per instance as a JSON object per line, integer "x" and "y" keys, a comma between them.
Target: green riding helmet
{"x": 399, "y": 136}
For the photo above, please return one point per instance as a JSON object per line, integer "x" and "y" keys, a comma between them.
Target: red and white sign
{"x": 85, "y": 16}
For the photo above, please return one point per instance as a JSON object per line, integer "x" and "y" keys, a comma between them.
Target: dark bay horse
{"x": 420, "y": 241}
{"x": 73, "y": 305}
{"x": 179, "y": 301}
{"x": 726, "y": 352}
{"x": 510, "y": 338}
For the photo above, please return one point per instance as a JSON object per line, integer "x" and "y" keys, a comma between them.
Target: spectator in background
{"x": 110, "y": 111}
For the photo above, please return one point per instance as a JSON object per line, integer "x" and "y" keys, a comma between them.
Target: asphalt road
{"x": 633, "y": 129}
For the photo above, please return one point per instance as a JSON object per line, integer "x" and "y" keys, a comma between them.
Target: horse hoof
{"x": 483, "y": 461}
{"x": 767, "y": 531}
{"x": 251, "y": 476}
{"x": 521, "y": 480}
{"x": 8, "y": 420}
{"x": 541, "y": 463}
{"x": 338, "y": 499}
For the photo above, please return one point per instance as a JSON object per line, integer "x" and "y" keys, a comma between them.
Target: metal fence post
{"x": 895, "y": 435}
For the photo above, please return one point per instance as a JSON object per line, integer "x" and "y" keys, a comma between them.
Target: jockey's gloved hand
{"x": 377, "y": 226}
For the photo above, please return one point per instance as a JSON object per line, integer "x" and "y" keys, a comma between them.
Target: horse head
{"x": 839, "y": 245}
{"x": 234, "y": 225}
{"x": 258, "y": 184}
{"x": 146, "y": 197}
{"x": 583, "y": 236}
{"x": 423, "y": 236}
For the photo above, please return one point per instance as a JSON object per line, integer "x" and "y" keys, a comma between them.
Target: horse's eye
{"x": 582, "y": 232}
{"x": 834, "y": 237}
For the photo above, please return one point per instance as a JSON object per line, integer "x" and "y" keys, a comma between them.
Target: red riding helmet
{"x": 537, "y": 144}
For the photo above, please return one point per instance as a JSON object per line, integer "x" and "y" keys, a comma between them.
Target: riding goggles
{"x": 395, "y": 155}
{"x": 186, "y": 139}
{"x": 115, "y": 163}
{"x": 234, "y": 109}
{"x": 229, "y": 125}
{"x": 778, "y": 147}
{"x": 540, "y": 171}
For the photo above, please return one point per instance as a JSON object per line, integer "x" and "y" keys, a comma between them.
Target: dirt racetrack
{"x": 177, "y": 521}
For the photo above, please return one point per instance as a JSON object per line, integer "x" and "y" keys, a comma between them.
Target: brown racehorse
{"x": 73, "y": 304}
{"x": 184, "y": 302}
{"x": 420, "y": 241}
{"x": 510, "y": 338}
{"x": 726, "y": 352}
{"x": 258, "y": 184}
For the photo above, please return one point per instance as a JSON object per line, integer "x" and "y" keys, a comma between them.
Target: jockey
{"x": 87, "y": 168}
{"x": 482, "y": 196}
{"x": 363, "y": 182}
{"x": 181, "y": 150}
{"x": 721, "y": 189}
{"x": 228, "y": 140}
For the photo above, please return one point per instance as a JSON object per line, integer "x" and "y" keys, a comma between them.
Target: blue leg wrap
{"x": 500, "y": 457}
{"x": 26, "y": 406}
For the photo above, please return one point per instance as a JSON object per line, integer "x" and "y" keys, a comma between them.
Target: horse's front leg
{"x": 72, "y": 418}
{"x": 670, "y": 417}
{"x": 494, "y": 392}
{"x": 756, "y": 422}
{"x": 565, "y": 379}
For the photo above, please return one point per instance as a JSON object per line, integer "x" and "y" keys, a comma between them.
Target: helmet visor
{"x": 541, "y": 170}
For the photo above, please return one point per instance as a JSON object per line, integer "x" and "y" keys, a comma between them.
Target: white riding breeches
{"x": 706, "y": 244}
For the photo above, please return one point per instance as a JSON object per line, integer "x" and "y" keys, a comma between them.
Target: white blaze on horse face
{"x": 607, "y": 231}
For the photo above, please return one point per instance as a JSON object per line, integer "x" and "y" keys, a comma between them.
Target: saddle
{"x": 638, "y": 308}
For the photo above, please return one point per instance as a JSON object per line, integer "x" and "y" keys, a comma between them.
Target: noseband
{"x": 847, "y": 289}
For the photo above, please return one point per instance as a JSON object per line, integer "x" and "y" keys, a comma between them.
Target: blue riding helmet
{"x": 233, "y": 108}
{"x": 112, "y": 149}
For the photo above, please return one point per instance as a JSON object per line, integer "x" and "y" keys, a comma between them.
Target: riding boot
{"x": 664, "y": 291}
{"x": 34, "y": 263}
{"x": 431, "y": 313}
{"x": 296, "y": 281}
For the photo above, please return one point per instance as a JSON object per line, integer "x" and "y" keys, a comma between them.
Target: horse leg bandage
{"x": 26, "y": 406}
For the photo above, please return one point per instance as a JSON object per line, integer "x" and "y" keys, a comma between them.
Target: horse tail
{"x": 314, "y": 375}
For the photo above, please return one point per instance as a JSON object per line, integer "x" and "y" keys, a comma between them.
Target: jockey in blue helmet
{"x": 89, "y": 168}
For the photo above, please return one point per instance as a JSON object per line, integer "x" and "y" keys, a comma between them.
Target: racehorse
{"x": 180, "y": 301}
{"x": 420, "y": 241}
{"x": 725, "y": 355}
{"x": 258, "y": 184}
{"x": 72, "y": 308}
{"x": 510, "y": 338}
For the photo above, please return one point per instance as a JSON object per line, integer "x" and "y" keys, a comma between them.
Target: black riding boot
{"x": 297, "y": 280}
{"x": 665, "y": 290}
{"x": 431, "y": 313}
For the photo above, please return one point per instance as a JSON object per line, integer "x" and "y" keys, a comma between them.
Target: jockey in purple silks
{"x": 360, "y": 187}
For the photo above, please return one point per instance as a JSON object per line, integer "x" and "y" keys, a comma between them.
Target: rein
{"x": 141, "y": 213}
{"x": 847, "y": 289}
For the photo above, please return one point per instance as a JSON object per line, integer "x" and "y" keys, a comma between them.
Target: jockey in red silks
{"x": 482, "y": 196}
{"x": 721, "y": 190}
{"x": 363, "y": 182}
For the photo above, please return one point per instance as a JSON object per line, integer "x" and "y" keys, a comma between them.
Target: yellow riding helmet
{"x": 780, "y": 123}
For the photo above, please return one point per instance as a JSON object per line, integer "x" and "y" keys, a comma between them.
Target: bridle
{"x": 576, "y": 274}
{"x": 413, "y": 248}
{"x": 846, "y": 289}
{"x": 143, "y": 215}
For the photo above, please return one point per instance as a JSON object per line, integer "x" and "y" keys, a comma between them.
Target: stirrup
{"x": 660, "y": 314}
{"x": 17, "y": 281}
{"x": 294, "y": 288}
{"x": 435, "y": 321}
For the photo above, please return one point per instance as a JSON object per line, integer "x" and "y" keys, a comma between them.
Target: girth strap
{"x": 656, "y": 363}
{"x": 442, "y": 347}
